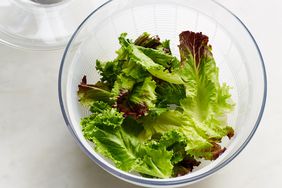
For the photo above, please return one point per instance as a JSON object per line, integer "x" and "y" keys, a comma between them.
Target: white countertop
{"x": 37, "y": 150}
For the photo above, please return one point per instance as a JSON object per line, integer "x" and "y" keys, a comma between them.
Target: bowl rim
{"x": 160, "y": 182}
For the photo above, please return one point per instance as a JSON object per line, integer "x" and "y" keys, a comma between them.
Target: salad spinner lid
{"x": 41, "y": 24}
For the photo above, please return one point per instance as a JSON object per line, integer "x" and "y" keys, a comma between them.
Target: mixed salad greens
{"x": 153, "y": 113}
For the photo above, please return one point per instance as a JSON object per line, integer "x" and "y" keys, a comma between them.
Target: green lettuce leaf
{"x": 156, "y": 163}
{"x": 88, "y": 93}
{"x": 165, "y": 46}
{"x": 109, "y": 71}
{"x": 131, "y": 52}
{"x": 168, "y": 93}
{"x": 197, "y": 145}
{"x": 115, "y": 139}
{"x": 145, "y": 93}
{"x": 206, "y": 100}
{"x": 103, "y": 116}
{"x": 135, "y": 99}
{"x": 160, "y": 57}
{"x": 135, "y": 71}
{"x": 153, "y": 68}
{"x": 174, "y": 120}
{"x": 173, "y": 141}
{"x": 123, "y": 83}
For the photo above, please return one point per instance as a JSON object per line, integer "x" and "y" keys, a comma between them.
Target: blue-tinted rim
{"x": 170, "y": 182}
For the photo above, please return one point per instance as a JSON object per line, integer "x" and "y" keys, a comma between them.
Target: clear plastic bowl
{"x": 235, "y": 50}
{"x": 41, "y": 24}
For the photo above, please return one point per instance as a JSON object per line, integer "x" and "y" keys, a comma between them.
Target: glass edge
{"x": 169, "y": 182}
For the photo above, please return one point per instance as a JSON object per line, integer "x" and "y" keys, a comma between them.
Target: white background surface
{"x": 36, "y": 149}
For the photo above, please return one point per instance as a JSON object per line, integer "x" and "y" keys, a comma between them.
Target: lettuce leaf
{"x": 196, "y": 144}
{"x": 207, "y": 101}
{"x": 116, "y": 141}
{"x": 134, "y": 99}
{"x": 135, "y": 71}
{"x": 168, "y": 61}
{"x": 168, "y": 93}
{"x": 123, "y": 83}
{"x": 145, "y": 93}
{"x": 153, "y": 68}
{"x": 153, "y": 42}
{"x": 88, "y": 93}
{"x": 109, "y": 71}
{"x": 155, "y": 162}
{"x": 131, "y": 52}
{"x": 148, "y": 41}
